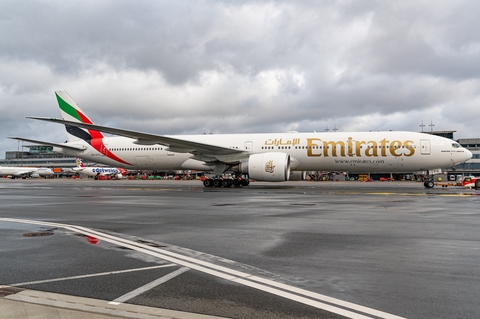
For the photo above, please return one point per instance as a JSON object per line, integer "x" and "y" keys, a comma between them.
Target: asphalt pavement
{"x": 174, "y": 249}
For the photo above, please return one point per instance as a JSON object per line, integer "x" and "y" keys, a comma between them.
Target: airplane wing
{"x": 24, "y": 172}
{"x": 72, "y": 147}
{"x": 174, "y": 144}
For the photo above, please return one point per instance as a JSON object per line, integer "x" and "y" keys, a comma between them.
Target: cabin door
{"x": 425, "y": 147}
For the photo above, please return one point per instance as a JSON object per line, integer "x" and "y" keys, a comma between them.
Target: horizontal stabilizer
{"x": 71, "y": 147}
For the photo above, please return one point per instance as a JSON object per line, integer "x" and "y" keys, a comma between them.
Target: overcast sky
{"x": 187, "y": 67}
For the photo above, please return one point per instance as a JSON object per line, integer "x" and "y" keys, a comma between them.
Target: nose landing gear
{"x": 429, "y": 184}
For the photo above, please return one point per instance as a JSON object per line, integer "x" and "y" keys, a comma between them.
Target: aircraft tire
{"x": 208, "y": 183}
{"x": 429, "y": 184}
{"x": 226, "y": 183}
{"x": 236, "y": 183}
{"x": 477, "y": 184}
{"x": 244, "y": 182}
{"x": 217, "y": 183}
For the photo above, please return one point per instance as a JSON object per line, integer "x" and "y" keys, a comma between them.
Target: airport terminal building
{"x": 38, "y": 156}
{"x": 472, "y": 165}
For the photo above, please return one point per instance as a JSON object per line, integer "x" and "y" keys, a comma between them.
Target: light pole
{"x": 422, "y": 126}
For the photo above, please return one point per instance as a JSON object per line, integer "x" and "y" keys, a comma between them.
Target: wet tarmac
{"x": 290, "y": 250}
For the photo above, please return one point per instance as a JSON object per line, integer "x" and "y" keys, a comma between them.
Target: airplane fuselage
{"x": 24, "y": 170}
{"x": 351, "y": 151}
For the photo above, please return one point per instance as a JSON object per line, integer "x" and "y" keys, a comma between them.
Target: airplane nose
{"x": 468, "y": 155}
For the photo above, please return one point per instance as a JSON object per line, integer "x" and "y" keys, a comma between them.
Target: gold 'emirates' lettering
{"x": 316, "y": 147}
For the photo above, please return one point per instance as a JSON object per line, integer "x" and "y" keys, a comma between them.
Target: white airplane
{"x": 96, "y": 171}
{"x": 262, "y": 157}
{"x": 22, "y": 171}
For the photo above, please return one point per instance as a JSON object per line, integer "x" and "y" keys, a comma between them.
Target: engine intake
{"x": 270, "y": 167}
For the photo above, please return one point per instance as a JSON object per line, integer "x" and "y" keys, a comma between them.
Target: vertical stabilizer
{"x": 79, "y": 163}
{"x": 71, "y": 111}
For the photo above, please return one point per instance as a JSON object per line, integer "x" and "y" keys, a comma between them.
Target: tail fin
{"x": 71, "y": 111}
{"x": 79, "y": 163}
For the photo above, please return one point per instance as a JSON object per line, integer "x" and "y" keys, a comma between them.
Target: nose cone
{"x": 468, "y": 155}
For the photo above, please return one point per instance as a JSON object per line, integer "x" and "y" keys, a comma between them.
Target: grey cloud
{"x": 422, "y": 39}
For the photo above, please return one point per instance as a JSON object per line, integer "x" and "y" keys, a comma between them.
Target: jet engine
{"x": 270, "y": 167}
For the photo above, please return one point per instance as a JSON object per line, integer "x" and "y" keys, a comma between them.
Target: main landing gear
{"x": 226, "y": 182}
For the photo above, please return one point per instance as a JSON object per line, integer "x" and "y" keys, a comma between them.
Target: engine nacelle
{"x": 269, "y": 167}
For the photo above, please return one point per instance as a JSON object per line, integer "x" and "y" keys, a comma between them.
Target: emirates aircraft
{"x": 268, "y": 157}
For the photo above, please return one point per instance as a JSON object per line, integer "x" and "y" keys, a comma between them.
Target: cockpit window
{"x": 456, "y": 145}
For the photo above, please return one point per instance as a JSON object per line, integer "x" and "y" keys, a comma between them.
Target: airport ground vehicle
{"x": 472, "y": 182}
{"x": 467, "y": 181}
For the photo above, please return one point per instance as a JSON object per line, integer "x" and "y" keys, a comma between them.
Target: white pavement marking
{"x": 259, "y": 283}
{"x": 148, "y": 286}
{"x": 90, "y": 275}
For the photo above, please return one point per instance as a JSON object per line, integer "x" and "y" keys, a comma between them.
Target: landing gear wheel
{"x": 244, "y": 182}
{"x": 217, "y": 183}
{"x": 208, "y": 183}
{"x": 429, "y": 184}
{"x": 236, "y": 183}
{"x": 227, "y": 183}
{"x": 477, "y": 184}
